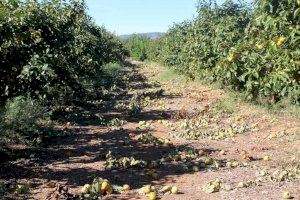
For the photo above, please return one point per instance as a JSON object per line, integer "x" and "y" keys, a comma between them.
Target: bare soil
{"x": 75, "y": 160}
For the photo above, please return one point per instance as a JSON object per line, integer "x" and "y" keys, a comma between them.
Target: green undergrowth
{"x": 231, "y": 98}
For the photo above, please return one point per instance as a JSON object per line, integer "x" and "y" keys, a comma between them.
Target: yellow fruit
{"x": 147, "y": 189}
{"x": 272, "y": 135}
{"x": 167, "y": 141}
{"x": 244, "y": 152}
{"x": 217, "y": 184}
{"x": 174, "y": 190}
{"x": 280, "y": 40}
{"x": 235, "y": 163}
{"x": 142, "y": 123}
{"x": 227, "y": 187}
{"x": 230, "y": 132}
{"x": 126, "y": 187}
{"x": 208, "y": 161}
{"x": 273, "y": 43}
{"x": 237, "y": 118}
{"x": 195, "y": 168}
{"x": 229, "y": 164}
{"x": 166, "y": 188}
{"x": 259, "y": 46}
{"x": 287, "y": 195}
{"x": 231, "y": 58}
{"x": 201, "y": 152}
{"x": 266, "y": 158}
{"x": 221, "y": 134}
{"x": 245, "y": 156}
{"x": 240, "y": 185}
{"x": 222, "y": 152}
{"x": 85, "y": 189}
{"x": 105, "y": 185}
{"x": 152, "y": 196}
{"x": 153, "y": 189}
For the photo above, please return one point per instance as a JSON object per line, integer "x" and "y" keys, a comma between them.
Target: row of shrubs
{"x": 51, "y": 53}
{"x": 138, "y": 45}
{"x": 252, "y": 48}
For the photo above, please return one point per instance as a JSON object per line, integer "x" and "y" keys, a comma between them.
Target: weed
{"x": 21, "y": 120}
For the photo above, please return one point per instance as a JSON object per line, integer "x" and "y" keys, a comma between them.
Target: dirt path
{"x": 178, "y": 120}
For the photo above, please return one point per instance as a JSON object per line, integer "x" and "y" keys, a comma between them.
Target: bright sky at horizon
{"x": 140, "y": 16}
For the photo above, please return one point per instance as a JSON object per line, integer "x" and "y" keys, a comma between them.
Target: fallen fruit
{"x": 246, "y": 156}
{"x": 287, "y": 195}
{"x": 195, "y": 168}
{"x": 174, "y": 190}
{"x": 167, "y": 141}
{"x": 217, "y": 183}
{"x": 208, "y": 161}
{"x": 213, "y": 186}
{"x": 244, "y": 152}
{"x": 105, "y": 185}
{"x": 266, "y": 158}
{"x": 152, "y": 196}
{"x": 85, "y": 189}
{"x": 185, "y": 168}
{"x": 201, "y": 152}
{"x": 126, "y": 187}
{"x": 147, "y": 189}
{"x": 222, "y": 152}
{"x": 240, "y": 185}
{"x": 227, "y": 187}
{"x": 142, "y": 123}
{"x": 166, "y": 188}
{"x": 229, "y": 164}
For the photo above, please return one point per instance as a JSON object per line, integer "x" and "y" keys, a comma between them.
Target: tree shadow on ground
{"x": 83, "y": 161}
{"x": 78, "y": 158}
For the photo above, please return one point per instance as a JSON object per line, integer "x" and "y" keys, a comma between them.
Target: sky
{"x": 140, "y": 16}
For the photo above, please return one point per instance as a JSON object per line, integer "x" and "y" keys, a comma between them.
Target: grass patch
{"x": 295, "y": 137}
{"x": 20, "y": 120}
{"x": 113, "y": 68}
{"x": 284, "y": 107}
{"x": 232, "y": 98}
{"x": 169, "y": 75}
{"x": 227, "y": 105}
{"x": 110, "y": 75}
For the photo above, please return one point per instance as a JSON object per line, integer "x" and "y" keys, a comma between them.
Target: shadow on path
{"x": 79, "y": 157}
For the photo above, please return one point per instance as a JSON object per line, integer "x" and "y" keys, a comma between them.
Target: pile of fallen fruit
{"x": 101, "y": 187}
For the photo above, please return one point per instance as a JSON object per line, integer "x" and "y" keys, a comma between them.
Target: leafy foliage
{"x": 47, "y": 46}
{"x": 51, "y": 53}
{"x": 267, "y": 59}
{"x": 138, "y": 46}
{"x": 250, "y": 49}
{"x": 20, "y": 120}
